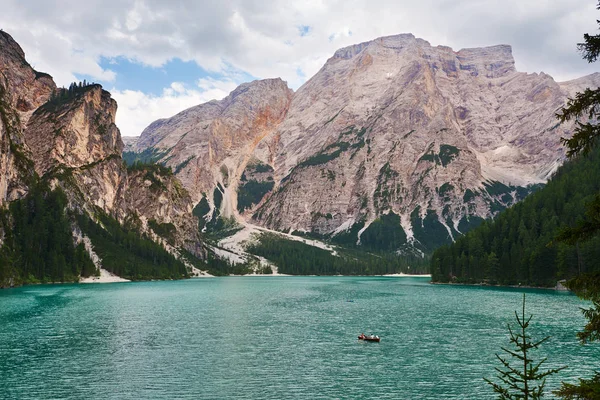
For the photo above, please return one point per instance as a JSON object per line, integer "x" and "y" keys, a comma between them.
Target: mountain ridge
{"x": 392, "y": 126}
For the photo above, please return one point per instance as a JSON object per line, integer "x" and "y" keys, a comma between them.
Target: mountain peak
{"x": 494, "y": 60}
{"x": 393, "y": 41}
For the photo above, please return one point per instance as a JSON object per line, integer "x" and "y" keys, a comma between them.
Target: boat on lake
{"x": 369, "y": 338}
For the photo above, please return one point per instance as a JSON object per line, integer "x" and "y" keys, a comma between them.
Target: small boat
{"x": 369, "y": 338}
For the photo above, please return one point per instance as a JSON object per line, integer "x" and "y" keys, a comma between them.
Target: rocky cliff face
{"x": 69, "y": 138}
{"x": 22, "y": 90}
{"x": 209, "y": 146}
{"x": 422, "y": 139}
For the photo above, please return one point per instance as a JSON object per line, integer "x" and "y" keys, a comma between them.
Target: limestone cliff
{"x": 68, "y": 137}
{"x": 22, "y": 90}
{"x": 391, "y": 128}
{"x": 210, "y": 145}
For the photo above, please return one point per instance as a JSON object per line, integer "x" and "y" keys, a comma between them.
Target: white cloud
{"x": 137, "y": 110}
{"x": 261, "y": 37}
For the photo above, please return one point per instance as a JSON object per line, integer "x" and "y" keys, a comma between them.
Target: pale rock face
{"x": 129, "y": 142}
{"x": 388, "y": 126}
{"x": 213, "y": 142}
{"x": 76, "y": 144}
{"x": 437, "y": 123}
{"x": 22, "y": 90}
{"x": 76, "y": 134}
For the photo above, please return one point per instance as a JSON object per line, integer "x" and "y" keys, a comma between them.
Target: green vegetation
{"x": 62, "y": 96}
{"x": 586, "y": 285}
{"x": 384, "y": 234}
{"x": 446, "y": 155}
{"x": 519, "y": 237}
{"x": 251, "y": 192}
{"x": 38, "y": 243}
{"x": 217, "y": 227}
{"x": 200, "y": 211}
{"x": 525, "y": 381}
{"x": 165, "y": 230}
{"x": 148, "y": 156}
{"x": 127, "y": 253}
{"x": 331, "y": 152}
{"x": 153, "y": 173}
{"x": 429, "y": 231}
{"x": 183, "y": 164}
{"x": 297, "y": 258}
{"x": 387, "y": 187}
{"x": 220, "y": 267}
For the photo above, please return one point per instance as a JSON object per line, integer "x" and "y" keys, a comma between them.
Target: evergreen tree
{"x": 587, "y": 285}
{"x": 525, "y": 381}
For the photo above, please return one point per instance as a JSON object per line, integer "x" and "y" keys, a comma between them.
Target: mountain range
{"x": 391, "y": 134}
{"x": 393, "y": 148}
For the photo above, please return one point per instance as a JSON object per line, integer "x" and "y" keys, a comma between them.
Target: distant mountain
{"x": 392, "y": 143}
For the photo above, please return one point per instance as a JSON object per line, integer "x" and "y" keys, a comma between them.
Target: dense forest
{"x": 519, "y": 246}
{"x": 38, "y": 243}
{"x": 129, "y": 254}
{"x": 297, "y": 258}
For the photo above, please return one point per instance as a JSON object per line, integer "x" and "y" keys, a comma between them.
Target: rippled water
{"x": 271, "y": 337}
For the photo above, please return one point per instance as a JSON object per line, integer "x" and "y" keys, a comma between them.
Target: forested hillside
{"x": 518, "y": 246}
{"x": 297, "y": 258}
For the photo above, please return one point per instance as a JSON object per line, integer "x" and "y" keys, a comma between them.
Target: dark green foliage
{"x": 219, "y": 267}
{"x": 165, "y": 230}
{"x": 297, "y": 258}
{"x": 200, "y": 211}
{"x": 251, "y": 192}
{"x": 525, "y": 381}
{"x": 129, "y": 254}
{"x": 38, "y": 245}
{"x": 63, "y": 96}
{"x": 585, "y": 389}
{"x": 153, "y": 172}
{"x": 150, "y": 167}
{"x": 350, "y": 237}
{"x": 468, "y": 223}
{"x": 446, "y": 155}
{"x": 429, "y": 231}
{"x": 445, "y": 190}
{"x": 183, "y": 164}
{"x": 519, "y": 236}
{"x": 587, "y": 285}
{"x": 262, "y": 168}
{"x": 384, "y": 234}
{"x": 331, "y": 152}
{"x": 148, "y": 156}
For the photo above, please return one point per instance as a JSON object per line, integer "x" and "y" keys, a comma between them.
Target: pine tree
{"x": 525, "y": 381}
{"x": 586, "y": 286}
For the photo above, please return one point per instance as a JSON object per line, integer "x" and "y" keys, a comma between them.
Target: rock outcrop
{"x": 69, "y": 138}
{"x": 392, "y": 128}
{"x": 209, "y": 146}
{"x": 22, "y": 90}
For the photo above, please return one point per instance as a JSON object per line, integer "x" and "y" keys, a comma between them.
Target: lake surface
{"x": 272, "y": 337}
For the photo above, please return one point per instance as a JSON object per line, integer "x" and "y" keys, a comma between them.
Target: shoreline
{"x": 107, "y": 277}
{"x": 553, "y": 288}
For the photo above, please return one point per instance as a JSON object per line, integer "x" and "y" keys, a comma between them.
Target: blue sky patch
{"x": 304, "y": 30}
{"x": 132, "y": 75}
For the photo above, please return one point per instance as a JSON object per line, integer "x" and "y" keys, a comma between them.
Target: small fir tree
{"x": 525, "y": 381}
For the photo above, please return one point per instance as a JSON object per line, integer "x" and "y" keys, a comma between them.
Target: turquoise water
{"x": 271, "y": 337}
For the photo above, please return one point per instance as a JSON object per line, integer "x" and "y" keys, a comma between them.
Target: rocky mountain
{"x": 67, "y": 139}
{"x": 391, "y": 138}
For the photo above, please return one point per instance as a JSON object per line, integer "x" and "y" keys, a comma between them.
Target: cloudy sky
{"x": 158, "y": 57}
